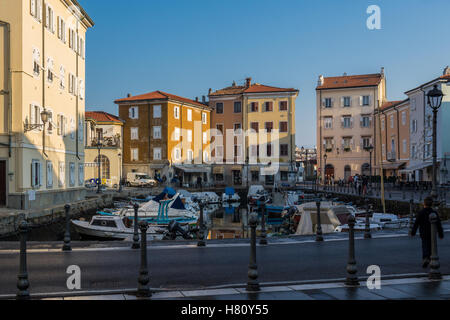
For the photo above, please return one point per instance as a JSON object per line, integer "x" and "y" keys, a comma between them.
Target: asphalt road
{"x": 188, "y": 268}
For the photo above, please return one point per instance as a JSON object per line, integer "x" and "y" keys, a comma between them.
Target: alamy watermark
{"x": 374, "y": 20}
{"x": 74, "y": 280}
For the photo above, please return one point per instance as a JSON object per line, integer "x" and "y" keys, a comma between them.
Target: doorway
{"x": 2, "y": 183}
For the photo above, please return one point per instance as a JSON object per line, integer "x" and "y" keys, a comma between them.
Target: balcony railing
{"x": 107, "y": 142}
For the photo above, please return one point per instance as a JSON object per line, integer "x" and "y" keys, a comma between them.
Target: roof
{"x": 76, "y": 2}
{"x": 101, "y": 116}
{"x": 254, "y": 88}
{"x": 365, "y": 80}
{"x": 390, "y": 104}
{"x": 443, "y": 77}
{"x": 160, "y": 95}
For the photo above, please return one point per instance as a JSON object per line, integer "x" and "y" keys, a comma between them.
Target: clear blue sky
{"x": 187, "y": 46}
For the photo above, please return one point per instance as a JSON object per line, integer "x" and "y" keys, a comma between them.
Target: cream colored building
{"x": 346, "y": 124}
{"x": 42, "y": 68}
{"x": 109, "y": 129}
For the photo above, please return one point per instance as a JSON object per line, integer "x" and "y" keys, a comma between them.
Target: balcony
{"x": 391, "y": 156}
{"x": 107, "y": 142}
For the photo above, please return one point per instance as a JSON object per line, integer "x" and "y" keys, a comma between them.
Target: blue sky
{"x": 186, "y": 47}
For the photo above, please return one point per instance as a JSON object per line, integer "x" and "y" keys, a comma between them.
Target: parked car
{"x": 135, "y": 179}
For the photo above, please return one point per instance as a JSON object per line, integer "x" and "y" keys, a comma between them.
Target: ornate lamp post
{"x": 120, "y": 172}
{"x": 435, "y": 100}
{"x": 325, "y": 157}
{"x": 370, "y": 150}
{"x": 44, "y": 117}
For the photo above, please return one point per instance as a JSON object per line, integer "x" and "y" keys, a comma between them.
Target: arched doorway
{"x": 365, "y": 169}
{"x": 347, "y": 172}
{"x": 105, "y": 167}
{"x": 329, "y": 172}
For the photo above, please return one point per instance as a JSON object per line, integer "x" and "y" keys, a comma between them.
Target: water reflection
{"x": 229, "y": 221}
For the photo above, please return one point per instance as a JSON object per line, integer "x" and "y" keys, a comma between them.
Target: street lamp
{"x": 435, "y": 100}
{"x": 120, "y": 172}
{"x": 370, "y": 150}
{"x": 247, "y": 162}
{"x": 44, "y": 117}
{"x": 99, "y": 147}
{"x": 325, "y": 157}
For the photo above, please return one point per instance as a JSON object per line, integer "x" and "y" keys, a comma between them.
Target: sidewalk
{"x": 419, "y": 288}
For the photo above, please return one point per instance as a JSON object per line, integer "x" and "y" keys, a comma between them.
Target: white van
{"x": 136, "y": 179}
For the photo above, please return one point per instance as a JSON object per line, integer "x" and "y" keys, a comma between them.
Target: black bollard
{"x": 435, "y": 273}
{"x": 23, "y": 284}
{"x": 201, "y": 237}
{"x": 367, "y": 234}
{"x": 144, "y": 278}
{"x": 136, "y": 244}
{"x": 263, "y": 240}
{"x": 319, "y": 236}
{"x": 253, "y": 284}
{"x": 67, "y": 246}
{"x": 352, "y": 279}
{"x": 411, "y": 216}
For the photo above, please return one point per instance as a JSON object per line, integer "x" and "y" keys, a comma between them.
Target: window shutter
{"x": 33, "y": 174}
{"x": 323, "y": 102}
{"x": 130, "y": 113}
{"x": 361, "y": 100}
{"x": 361, "y": 122}
{"x": 343, "y": 143}
{"x": 47, "y": 17}
{"x": 39, "y": 10}
{"x": 41, "y": 174}
{"x": 33, "y": 7}
{"x": 370, "y": 100}
{"x": 32, "y": 114}
{"x": 351, "y": 122}
{"x": 332, "y": 102}
{"x": 342, "y": 101}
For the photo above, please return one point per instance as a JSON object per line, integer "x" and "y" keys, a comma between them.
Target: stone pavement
{"x": 396, "y": 289}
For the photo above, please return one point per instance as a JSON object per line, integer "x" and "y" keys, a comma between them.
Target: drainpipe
{"x": 9, "y": 91}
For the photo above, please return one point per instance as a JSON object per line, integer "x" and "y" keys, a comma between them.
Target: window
{"x": 219, "y": 128}
{"x": 283, "y": 176}
{"x": 50, "y": 121}
{"x": 134, "y": 133}
{"x": 382, "y": 124}
{"x": 328, "y": 103}
{"x": 254, "y": 106}
{"x": 237, "y": 107}
{"x": 133, "y": 113}
{"x": 346, "y": 101}
{"x": 205, "y": 156}
{"x": 36, "y": 174}
{"x": 328, "y": 122}
{"x": 347, "y": 143}
{"x": 405, "y": 146}
{"x": 72, "y": 174}
{"x": 284, "y": 150}
{"x": 255, "y": 176}
{"x": 189, "y": 114}
{"x": 157, "y": 132}
{"x": 391, "y": 119}
{"x": 72, "y": 84}
{"x": 366, "y": 121}
{"x": 72, "y": 128}
{"x": 157, "y": 112}
{"x": 366, "y": 142}
{"x": 190, "y": 155}
{"x": 36, "y": 9}
{"x": 254, "y": 151}
{"x": 365, "y": 100}
{"x": 269, "y": 149}
{"x": 413, "y": 104}
{"x": 283, "y": 126}
{"x": 189, "y": 135}
{"x": 177, "y": 154}
{"x": 36, "y": 62}
{"x": 134, "y": 154}
{"x": 414, "y": 126}
{"x": 35, "y": 115}
{"x": 62, "y": 125}
{"x": 62, "y": 78}
{"x": 49, "y": 18}
{"x": 347, "y": 122}
{"x": 176, "y": 112}
{"x": 404, "y": 118}
{"x": 81, "y": 89}
{"x": 268, "y": 126}
{"x": 238, "y": 151}
{"x": 176, "y": 134}
{"x": 428, "y": 150}
{"x": 237, "y": 128}
{"x": 82, "y": 50}
{"x": 61, "y": 29}
{"x": 205, "y": 138}
{"x": 50, "y": 69}
{"x": 328, "y": 144}
{"x": 383, "y": 148}
{"x": 219, "y": 108}
{"x": 268, "y": 106}
{"x": 413, "y": 152}
{"x": 254, "y": 126}
{"x": 62, "y": 174}
{"x": 80, "y": 174}
{"x": 283, "y": 105}
{"x": 157, "y": 154}
{"x": 204, "y": 118}
{"x": 219, "y": 152}
{"x": 49, "y": 174}
{"x": 80, "y": 129}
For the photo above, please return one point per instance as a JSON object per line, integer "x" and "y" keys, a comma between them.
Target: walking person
{"x": 423, "y": 224}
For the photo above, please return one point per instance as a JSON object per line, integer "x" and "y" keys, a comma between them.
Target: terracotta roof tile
{"x": 254, "y": 88}
{"x": 389, "y": 104}
{"x": 366, "y": 80}
{"x": 102, "y": 116}
{"x": 160, "y": 95}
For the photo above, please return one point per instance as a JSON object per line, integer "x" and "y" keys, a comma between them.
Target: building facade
{"x": 42, "y": 78}
{"x": 103, "y": 144}
{"x": 421, "y": 131}
{"x": 166, "y": 137}
{"x": 255, "y": 134}
{"x": 345, "y": 123}
{"x": 393, "y": 144}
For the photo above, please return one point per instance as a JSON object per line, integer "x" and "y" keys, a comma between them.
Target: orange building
{"x": 393, "y": 143}
{"x": 166, "y": 136}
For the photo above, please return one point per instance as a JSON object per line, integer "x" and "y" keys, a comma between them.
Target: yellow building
{"x": 108, "y": 130}
{"x": 166, "y": 136}
{"x": 42, "y": 102}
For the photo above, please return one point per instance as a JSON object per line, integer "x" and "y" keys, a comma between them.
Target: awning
{"x": 254, "y": 169}
{"x": 419, "y": 166}
{"x": 284, "y": 169}
{"x": 218, "y": 170}
{"x": 391, "y": 166}
{"x": 236, "y": 168}
{"x": 193, "y": 169}
{"x": 157, "y": 166}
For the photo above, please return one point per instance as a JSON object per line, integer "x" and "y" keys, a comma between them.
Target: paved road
{"x": 187, "y": 268}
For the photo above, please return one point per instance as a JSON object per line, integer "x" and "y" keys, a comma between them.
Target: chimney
{"x": 129, "y": 95}
{"x": 234, "y": 84}
{"x": 447, "y": 71}
{"x": 196, "y": 99}
{"x": 209, "y": 91}
{"x": 321, "y": 80}
{"x": 248, "y": 82}
{"x": 345, "y": 74}
{"x": 382, "y": 72}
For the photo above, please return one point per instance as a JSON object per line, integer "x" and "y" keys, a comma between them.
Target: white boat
{"x": 255, "y": 192}
{"x": 359, "y": 226}
{"x": 112, "y": 227}
{"x": 230, "y": 195}
{"x": 209, "y": 197}
{"x": 389, "y": 221}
